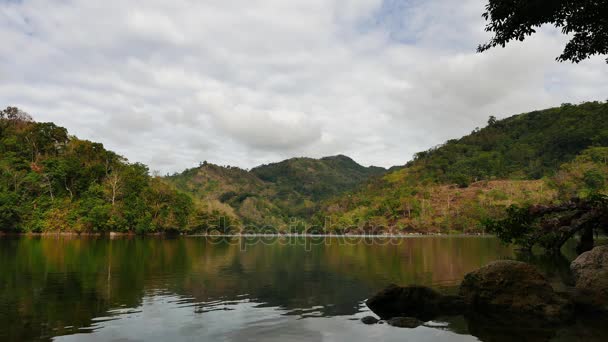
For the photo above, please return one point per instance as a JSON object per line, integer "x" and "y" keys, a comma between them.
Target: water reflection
{"x": 223, "y": 288}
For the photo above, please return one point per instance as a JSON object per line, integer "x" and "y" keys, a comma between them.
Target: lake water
{"x": 239, "y": 289}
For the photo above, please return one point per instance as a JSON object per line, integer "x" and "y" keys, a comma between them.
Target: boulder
{"x": 515, "y": 291}
{"x": 405, "y": 322}
{"x": 590, "y": 272}
{"x": 369, "y": 320}
{"x": 414, "y": 301}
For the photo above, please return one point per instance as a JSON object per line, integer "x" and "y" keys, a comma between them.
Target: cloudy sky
{"x": 173, "y": 83}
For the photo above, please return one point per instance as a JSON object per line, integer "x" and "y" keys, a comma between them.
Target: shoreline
{"x": 248, "y": 235}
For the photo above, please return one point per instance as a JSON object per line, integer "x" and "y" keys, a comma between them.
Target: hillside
{"x": 525, "y": 146}
{"x": 525, "y": 158}
{"x": 316, "y": 179}
{"x": 51, "y": 181}
{"x": 273, "y": 194}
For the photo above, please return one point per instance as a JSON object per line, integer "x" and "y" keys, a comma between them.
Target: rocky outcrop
{"x": 590, "y": 271}
{"x": 515, "y": 290}
{"x": 414, "y": 301}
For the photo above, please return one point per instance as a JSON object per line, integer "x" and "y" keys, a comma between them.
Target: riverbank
{"x": 165, "y": 234}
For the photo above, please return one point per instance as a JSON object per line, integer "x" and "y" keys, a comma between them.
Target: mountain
{"x": 316, "y": 179}
{"x": 273, "y": 194}
{"x": 464, "y": 181}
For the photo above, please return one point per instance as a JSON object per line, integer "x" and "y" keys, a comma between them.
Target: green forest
{"x": 51, "y": 181}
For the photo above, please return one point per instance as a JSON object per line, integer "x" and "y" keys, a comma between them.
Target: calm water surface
{"x": 239, "y": 289}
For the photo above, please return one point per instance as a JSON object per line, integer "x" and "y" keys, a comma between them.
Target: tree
{"x": 552, "y": 226}
{"x": 585, "y": 20}
{"x": 491, "y": 120}
{"x": 15, "y": 114}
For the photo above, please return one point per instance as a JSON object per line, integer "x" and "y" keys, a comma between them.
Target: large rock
{"x": 369, "y": 320}
{"x": 413, "y": 301}
{"x": 515, "y": 291}
{"x": 405, "y": 322}
{"x": 590, "y": 271}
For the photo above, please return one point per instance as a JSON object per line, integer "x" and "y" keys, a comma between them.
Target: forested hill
{"x": 456, "y": 185}
{"x": 51, "y": 181}
{"x": 273, "y": 194}
{"x": 317, "y": 178}
{"x": 525, "y": 146}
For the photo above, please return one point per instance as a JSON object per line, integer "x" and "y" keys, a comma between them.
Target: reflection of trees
{"x": 556, "y": 267}
{"x": 68, "y": 282}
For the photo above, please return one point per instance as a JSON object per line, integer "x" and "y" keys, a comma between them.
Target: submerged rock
{"x": 515, "y": 291}
{"x": 369, "y": 320}
{"x": 413, "y": 301}
{"x": 590, "y": 271}
{"x": 405, "y": 322}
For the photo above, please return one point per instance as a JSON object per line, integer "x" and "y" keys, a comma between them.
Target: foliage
{"x": 585, "y": 21}
{"x": 50, "y": 181}
{"x": 584, "y": 176}
{"x": 515, "y": 228}
{"x": 551, "y": 226}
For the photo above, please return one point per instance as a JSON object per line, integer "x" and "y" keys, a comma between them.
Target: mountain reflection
{"x": 61, "y": 285}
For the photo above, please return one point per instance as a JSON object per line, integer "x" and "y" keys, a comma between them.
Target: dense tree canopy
{"x": 50, "y": 181}
{"x": 586, "y": 21}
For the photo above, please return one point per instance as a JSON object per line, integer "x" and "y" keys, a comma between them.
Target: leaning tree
{"x": 585, "y": 21}
{"x": 551, "y": 226}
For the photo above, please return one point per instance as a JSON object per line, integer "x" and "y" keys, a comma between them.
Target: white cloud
{"x": 172, "y": 83}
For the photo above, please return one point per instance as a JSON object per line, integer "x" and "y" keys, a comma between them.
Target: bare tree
{"x": 115, "y": 182}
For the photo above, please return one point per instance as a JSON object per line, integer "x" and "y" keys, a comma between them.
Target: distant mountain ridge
{"x": 317, "y": 178}
{"x": 272, "y": 194}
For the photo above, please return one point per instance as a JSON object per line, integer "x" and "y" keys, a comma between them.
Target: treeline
{"x": 51, "y": 181}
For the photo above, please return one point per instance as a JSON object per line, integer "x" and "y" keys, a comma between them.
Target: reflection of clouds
{"x": 172, "y": 318}
{"x": 275, "y": 329}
